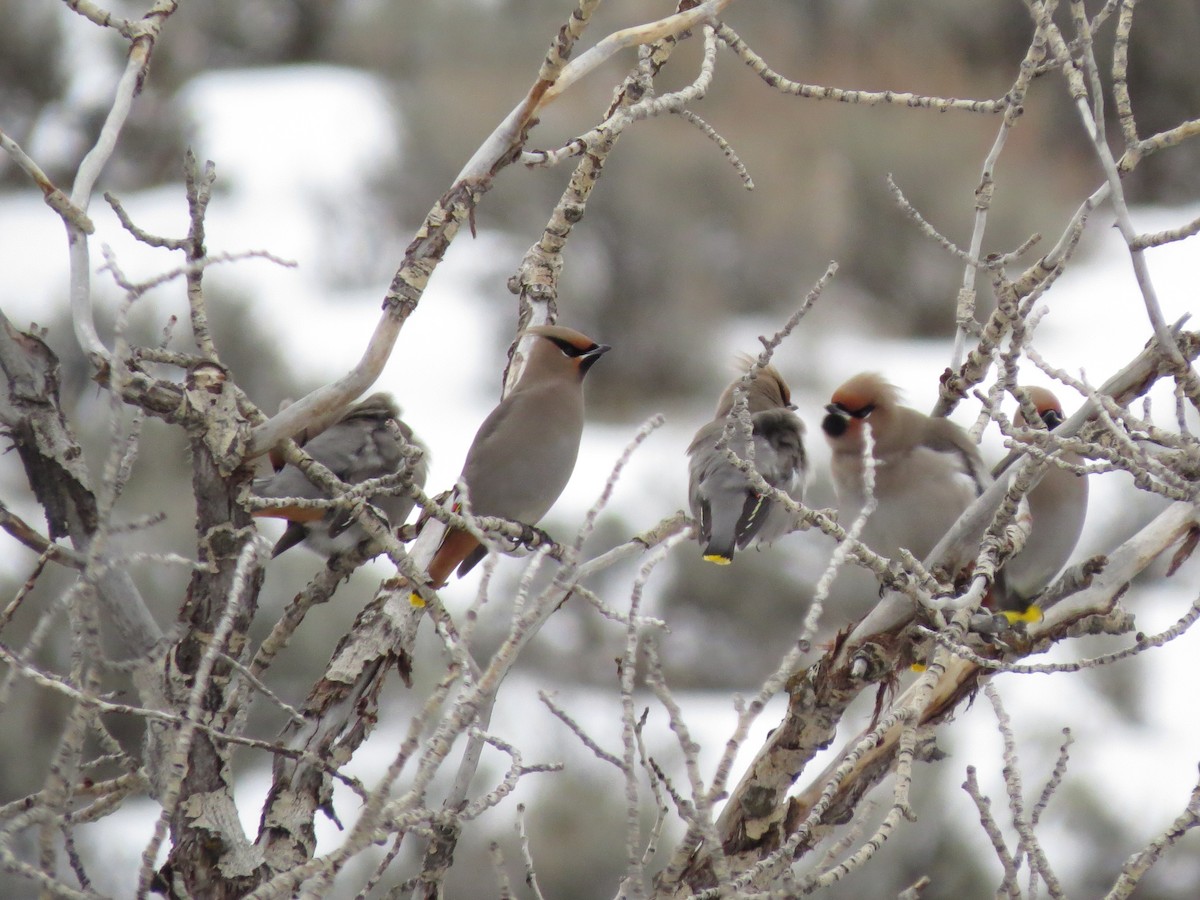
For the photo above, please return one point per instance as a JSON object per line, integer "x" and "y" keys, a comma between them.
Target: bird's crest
{"x": 768, "y": 390}
{"x": 867, "y": 389}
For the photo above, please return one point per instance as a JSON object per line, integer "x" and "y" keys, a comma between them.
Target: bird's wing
{"x": 943, "y": 436}
{"x": 779, "y": 449}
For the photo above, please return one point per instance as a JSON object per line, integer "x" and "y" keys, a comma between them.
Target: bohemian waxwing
{"x": 525, "y": 450}
{"x": 927, "y": 470}
{"x": 1057, "y": 505}
{"x": 357, "y": 447}
{"x": 730, "y": 513}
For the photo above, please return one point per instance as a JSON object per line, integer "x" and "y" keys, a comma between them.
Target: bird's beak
{"x": 587, "y": 360}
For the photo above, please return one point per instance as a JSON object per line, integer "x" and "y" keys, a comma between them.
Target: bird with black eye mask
{"x": 525, "y": 450}
{"x": 927, "y": 469}
{"x": 1057, "y": 506}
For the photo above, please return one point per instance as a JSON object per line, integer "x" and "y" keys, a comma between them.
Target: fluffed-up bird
{"x": 1057, "y": 506}
{"x": 525, "y": 450}
{"x": 729, "y": 512}
{"x": 357, "y": 447}
{"x": 927, "y": 469}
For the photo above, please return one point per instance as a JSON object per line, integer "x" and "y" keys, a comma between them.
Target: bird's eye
{"x": 569, "y": 349}
{"x": 861, "y": 413}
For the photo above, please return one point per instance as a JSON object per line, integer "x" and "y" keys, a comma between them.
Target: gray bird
{"x": 357, "y": 447}
{"x": 729, "y": 512}
{"x": 1058, "y": 506}
{"x": 525, "y": 450}
{"x": 927, "y": 469}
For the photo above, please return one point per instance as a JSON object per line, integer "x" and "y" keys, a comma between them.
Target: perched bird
{"x": 927, "y": 470}
{"x": 525, "y": 450}
{"x": 357, "y": 447}
{"x": 1057, "y": 505}
{"x": 729, "y": 512}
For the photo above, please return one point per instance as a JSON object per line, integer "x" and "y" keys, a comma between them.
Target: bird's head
{"x": 866, "y": 397}
{"x": 562, "y": 351}
{"x": 1047, "y": 407}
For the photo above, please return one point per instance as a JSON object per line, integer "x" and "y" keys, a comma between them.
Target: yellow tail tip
{"x": 415, "y": 599}
{"x": 717, "y": 559}
{"x": 1030, "y": 616}
{"x": 918, "y": 667}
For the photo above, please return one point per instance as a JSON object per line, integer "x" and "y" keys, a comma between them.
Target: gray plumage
{"x": 729, "y": 512}
{"x": 1057, "y": 506}
{"x": 356, "y": 448}
{"x": 524, "y": 452}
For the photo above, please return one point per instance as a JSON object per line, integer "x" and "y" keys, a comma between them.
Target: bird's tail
{"x": 718, "y": 553}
